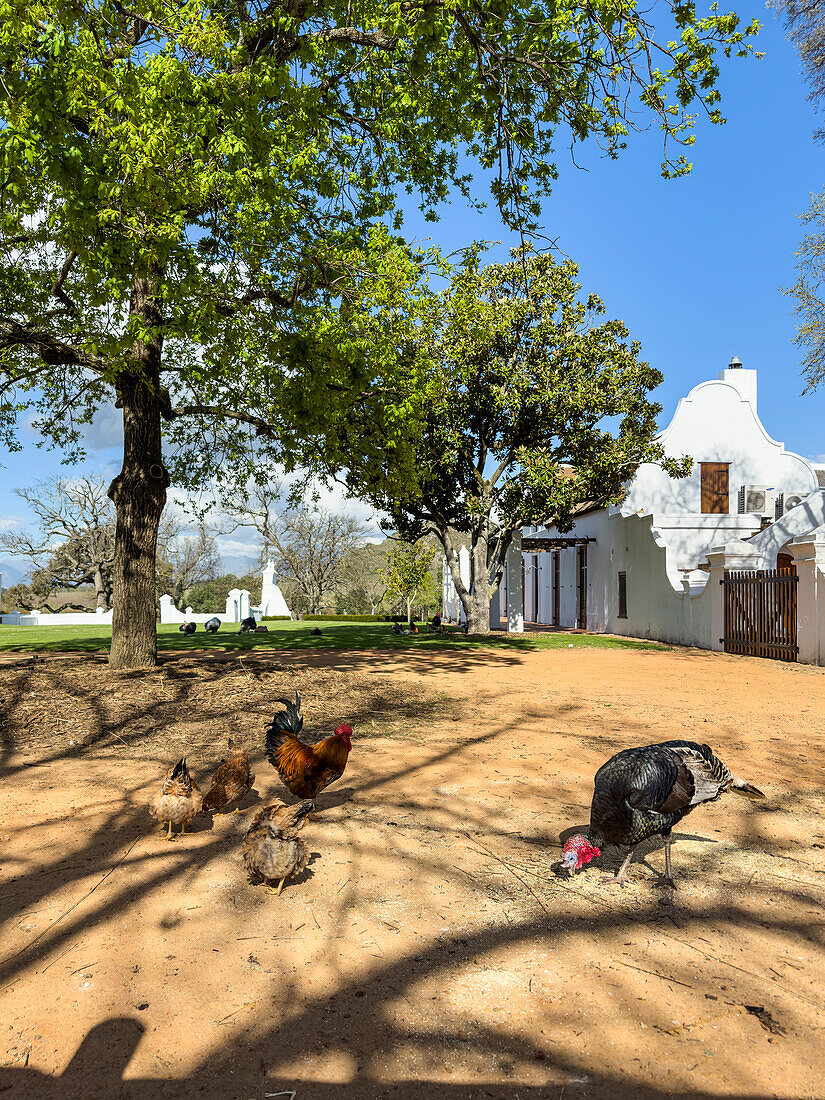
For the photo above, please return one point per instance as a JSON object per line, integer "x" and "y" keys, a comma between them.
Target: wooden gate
{"x": 760, "y": 613}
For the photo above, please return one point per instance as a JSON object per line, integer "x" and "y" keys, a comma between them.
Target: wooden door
{"x": 556, "y": 586}
{"x": 715, "y": 488}
{"x": 581, "y": 585}
{"x": 785, "y": 563}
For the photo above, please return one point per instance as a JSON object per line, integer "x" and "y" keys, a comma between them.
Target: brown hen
{"x": 271, "y": 849}
{"x": 179, "y": 799}
{"x": 231, "y": 781}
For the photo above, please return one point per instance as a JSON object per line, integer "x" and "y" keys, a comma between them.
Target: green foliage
{"x": 522, "y": 401}
{"x": 239, "y": 157}
{"x": 347, "y": 618}
{"x": 406, "y": 572}
{"x": 211, "y": 595}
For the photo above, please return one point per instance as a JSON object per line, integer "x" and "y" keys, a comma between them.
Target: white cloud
{"x": 105, "y": 430}
{"x": 9, "y": 522}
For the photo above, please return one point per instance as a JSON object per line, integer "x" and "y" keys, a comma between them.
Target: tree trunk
{"x": 100, "y": 589}
{"x": 139, "y": 490}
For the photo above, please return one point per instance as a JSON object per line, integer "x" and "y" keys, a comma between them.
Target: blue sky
{"x": 693, "y": 265}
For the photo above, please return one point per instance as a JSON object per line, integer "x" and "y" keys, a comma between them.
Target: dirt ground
{"x": 431, "y": 949}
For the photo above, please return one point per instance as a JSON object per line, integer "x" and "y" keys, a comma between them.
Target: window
{"x": 715, "y": 488}
{"x": 623, "y": 595}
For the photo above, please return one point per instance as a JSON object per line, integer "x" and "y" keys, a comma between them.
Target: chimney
{"x": 743, "y": 381}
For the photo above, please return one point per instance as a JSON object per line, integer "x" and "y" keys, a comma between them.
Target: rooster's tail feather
{"x": 285, "y": 724}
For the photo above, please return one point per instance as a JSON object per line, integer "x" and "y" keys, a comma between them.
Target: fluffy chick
{"x": 231, "y": 781}
{"x": 271, "y": 848}
{"x": 179, "y": 799}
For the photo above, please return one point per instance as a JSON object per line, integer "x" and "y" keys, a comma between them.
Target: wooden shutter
{"x": 715, "y": 488}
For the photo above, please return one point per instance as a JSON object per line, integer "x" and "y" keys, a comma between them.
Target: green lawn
{"x": 296, "y": 635}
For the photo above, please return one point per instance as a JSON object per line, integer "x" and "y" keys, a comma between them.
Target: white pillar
{"x": 232, "y": 608}
{"x": 515, "y": 588}
{"x": 243, "y": 605}
{"x": 809, "y": 557}
{"x": 464, "y": 573}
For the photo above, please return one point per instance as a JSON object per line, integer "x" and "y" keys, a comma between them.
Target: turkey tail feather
{"x": 747, "y": 790}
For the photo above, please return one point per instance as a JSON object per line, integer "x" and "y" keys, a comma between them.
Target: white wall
{"x": 71, "y": 618}
{"x": 656, "y": 608}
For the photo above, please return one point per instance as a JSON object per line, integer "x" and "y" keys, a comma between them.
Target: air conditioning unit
{"x": 759, "y": 499}
{"x": 786, "y": 501}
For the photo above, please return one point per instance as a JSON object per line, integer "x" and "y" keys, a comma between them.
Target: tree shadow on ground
{"x": 359, "y": 1022}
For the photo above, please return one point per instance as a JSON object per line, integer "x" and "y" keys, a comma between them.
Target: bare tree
{"x": 74, "y": 544}
{"x": 184, "y": 562}
{"x": 308, "y": 545}
{"x": 362, "y": 569}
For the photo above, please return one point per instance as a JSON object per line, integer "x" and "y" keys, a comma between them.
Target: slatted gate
{"x": 760, "y": 613}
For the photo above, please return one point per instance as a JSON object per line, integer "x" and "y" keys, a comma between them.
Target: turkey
{"x": 187, "y": 628}
{"x": 248, "y": 625}
{"x": 212, "y": 626}
{"x": 644, "y": 792}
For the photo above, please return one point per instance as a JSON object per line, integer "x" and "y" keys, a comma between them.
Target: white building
{"x": 642, "y": 569}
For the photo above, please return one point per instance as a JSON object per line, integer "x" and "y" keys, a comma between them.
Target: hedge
{"x": 350, "y": 618}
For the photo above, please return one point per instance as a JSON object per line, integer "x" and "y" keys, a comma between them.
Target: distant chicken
{"x": 179, "y": 800}
{"x": 304, "y": 769}
{"x": 231, "y": 781}
{"x": 644, "y": 792}
{"x": 271, "y": 849}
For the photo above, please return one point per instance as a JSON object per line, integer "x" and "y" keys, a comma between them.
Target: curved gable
{"x": 718, "y": 422}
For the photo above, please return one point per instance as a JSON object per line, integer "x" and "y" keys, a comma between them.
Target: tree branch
{"x": 53, "y": 351}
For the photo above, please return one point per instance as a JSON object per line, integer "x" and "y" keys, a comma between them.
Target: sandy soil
{"x": 430, "y": 949}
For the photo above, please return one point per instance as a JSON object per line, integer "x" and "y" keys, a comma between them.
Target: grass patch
{"x": 297, "y": 635}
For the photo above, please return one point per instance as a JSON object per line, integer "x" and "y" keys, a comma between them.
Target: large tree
{"x": 182, "y": 185}
{"x": 523, "y": 402}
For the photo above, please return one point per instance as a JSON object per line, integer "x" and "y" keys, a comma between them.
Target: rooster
{"x": 231, "y": 781}
{"x": 179, "y": 800}
{"x": 305, "y": 770}
{"x": 271, "y": 848}
{"x": 644, "y": 792}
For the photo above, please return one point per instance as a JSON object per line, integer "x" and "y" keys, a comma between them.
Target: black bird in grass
{"x": 644, "y": 792}
{"x": 212, "y": 626}
{"x": 187, "y": 628}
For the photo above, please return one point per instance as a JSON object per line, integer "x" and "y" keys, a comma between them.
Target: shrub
{"x": 349, "y": 618}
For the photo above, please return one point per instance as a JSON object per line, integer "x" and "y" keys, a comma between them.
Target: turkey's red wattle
{"x": 582, "y": 847}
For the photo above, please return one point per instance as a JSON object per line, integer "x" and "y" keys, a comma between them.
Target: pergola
{"x": 535, "y": 544}
{"x": 529, "y": 544}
